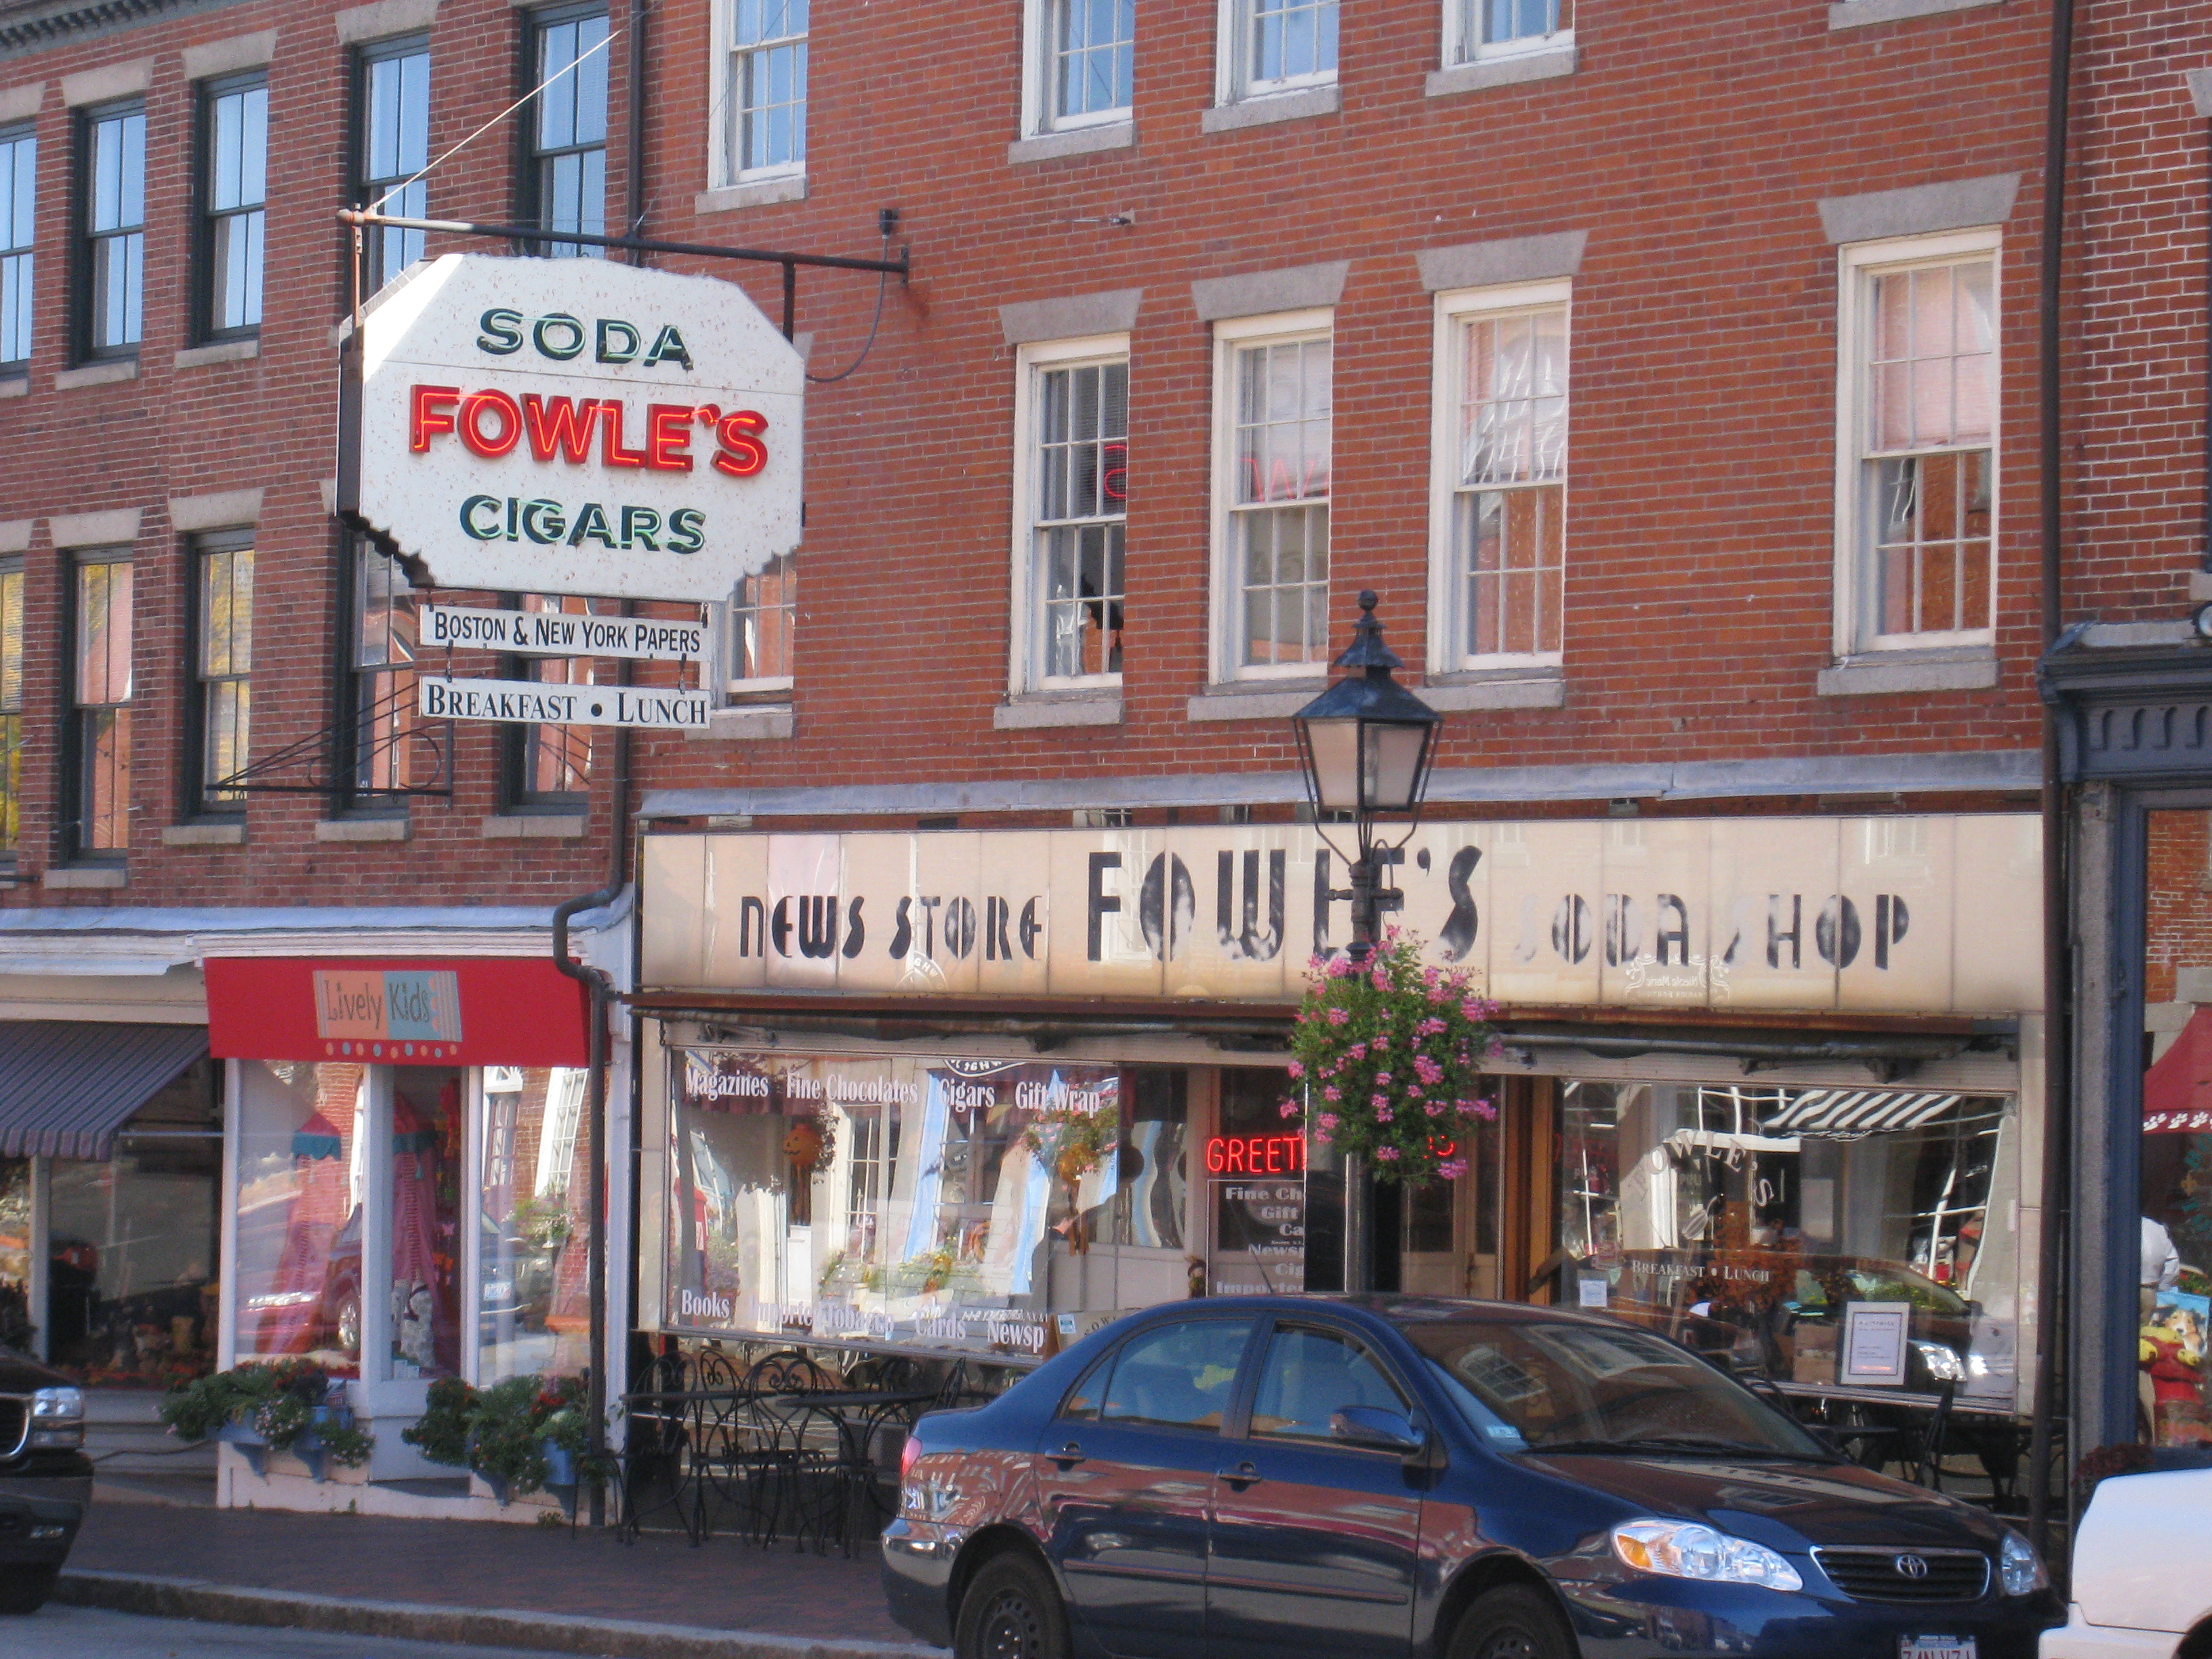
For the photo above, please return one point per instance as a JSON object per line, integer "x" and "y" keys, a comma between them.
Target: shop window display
{"x": 426, "y": 1229}
{"x": 1745, "y": 1221}
{"x": 15, "y": 1322}
{"x": 130, "y": 1285}
{"x": 895, "y": 1199}
{"x": 302, "y": 1130}
{"x": 532, "y": 1224}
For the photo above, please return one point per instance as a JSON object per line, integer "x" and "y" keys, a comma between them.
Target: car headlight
{"x": 56, "y": 1419}
{"x": 1683, "y": 1549}
{"x": 2020, "y": 1568}
{"x": 1943, "y": 1364}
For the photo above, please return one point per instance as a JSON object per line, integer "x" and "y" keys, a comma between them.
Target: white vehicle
{"x": 2142, "y": 1571}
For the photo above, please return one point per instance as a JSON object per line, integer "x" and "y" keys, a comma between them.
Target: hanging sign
{"x": 543, "y": 702}
{"x": 573, "y": 426}
{"x": 560, "y": 634}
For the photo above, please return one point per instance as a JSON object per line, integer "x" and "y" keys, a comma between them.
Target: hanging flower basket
{"x": 291, "y": 1405}
{"x": 1387, "y": 1061}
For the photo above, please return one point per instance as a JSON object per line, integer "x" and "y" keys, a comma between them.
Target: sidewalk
{"x": 579, "y": 1592}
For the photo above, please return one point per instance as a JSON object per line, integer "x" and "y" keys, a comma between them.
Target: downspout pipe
{"x": 2053, "y": 1310}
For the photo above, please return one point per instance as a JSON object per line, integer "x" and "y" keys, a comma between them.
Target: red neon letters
{"x": 1255, "y": 1155}
{"x": 491, "y": 423}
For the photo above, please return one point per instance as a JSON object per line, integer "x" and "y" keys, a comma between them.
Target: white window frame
{"x": 1233, "y": 81}
{"x": 1025, "y": 664}
{"x": 762, "y": 688}
{"x": 1447, "y": 583}
{"x": 1038, "y": 79}
{"x": 1856, "y": 263}
{"x": 724, "y": 141}
{"x": 1230, "y": 336}
{"x": 1463, "y": 43}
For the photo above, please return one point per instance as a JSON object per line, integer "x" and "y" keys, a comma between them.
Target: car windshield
{"x": 1539, "y": 1385}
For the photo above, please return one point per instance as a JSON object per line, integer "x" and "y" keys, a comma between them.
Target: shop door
{"x": 1315, "y": 1543}
{"x": 1127, "y": 1473}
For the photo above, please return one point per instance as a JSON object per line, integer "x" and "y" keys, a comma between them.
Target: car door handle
{"x": 1243, "y": 1475}
{"x": 1067, "y": 1456}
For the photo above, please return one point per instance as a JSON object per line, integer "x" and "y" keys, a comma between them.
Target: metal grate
{"x": 1906, "y": 1575}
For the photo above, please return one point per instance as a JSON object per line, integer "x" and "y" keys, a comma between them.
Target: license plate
{"x": 1936, "y": 1647}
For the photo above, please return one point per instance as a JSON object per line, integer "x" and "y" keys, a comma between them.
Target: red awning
{"x": 415, "y": 1010}
{"x": 2178, "y": 1090}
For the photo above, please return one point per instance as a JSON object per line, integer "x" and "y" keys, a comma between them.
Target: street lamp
{"x": 1365, "y": 747}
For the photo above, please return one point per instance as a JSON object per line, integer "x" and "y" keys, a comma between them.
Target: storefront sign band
{"x": 539, "y": 702}
{"x": 562, "y": 634}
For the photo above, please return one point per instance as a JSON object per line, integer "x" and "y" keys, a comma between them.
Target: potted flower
{"x": 524, "y": 1435}
{"x": 291, "y": 1405}
{"x": 1070, "y": 1142}
{"x": 1387, "y": 1057}
{"x": 808, "y": 1144}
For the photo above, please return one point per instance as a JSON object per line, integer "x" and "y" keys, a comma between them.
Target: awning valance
{"x": 66, "y": 1086}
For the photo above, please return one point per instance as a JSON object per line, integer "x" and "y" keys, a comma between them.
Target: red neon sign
{"x": 1257, "y": 1155}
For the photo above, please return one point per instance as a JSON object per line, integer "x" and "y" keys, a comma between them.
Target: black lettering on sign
{"x": 928, "y": 908}
{"x": 1457, "y": 934}
{"x": 1775, "y": 935}
{"x": 856, "y": 931}
{"x": 1623, "y": 930}
{"x": 1572, "y": 933}
{"x": 779, "y": 926}
{"x": 902, "y": 930}
{"x": 1167, "y": 905}
{"x": 1836, "y": 932}
{"x": 1242, "y": 936}
{"x": 752, "y": 927}
{"x": 1890, "y": 921}
{"x": 960, "y": 927}
{"x": 1031, "y": 929}
{"x": 817, "y": 926}
{"x": 1102, "y": 903}
{"x": 1322, "y": 889}
{"x": 1673, "y": 931}
{"x": 996, "y": 914}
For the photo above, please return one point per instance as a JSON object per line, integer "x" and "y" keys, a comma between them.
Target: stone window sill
{"x": 15, "y": 386}
{"x": 536, "y": 826}
{"x": 1515, "y": 71}
{"x": 754, "y": 193}
{"x": 1270, "y": 107}
{"x": 365, "y": 829}
{"x": 87, "y": 875}
{"x": 749, "y": 723}
{"x": 1256, "y": 700}
{"x": 1041, "y": 710}
{"x": 1881, "y": 673}
{"x": 1539, "y": 687}
{"x": 218, "y": 351}
{"x": 107, "y": 373}
{"x": 1076, "y": 141}
{"x": 1863, "y": 14}
{"x": 203, "y": 834}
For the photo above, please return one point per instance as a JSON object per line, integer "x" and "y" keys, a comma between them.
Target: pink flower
{"x": 1381, "y": 1080}
{"x": 1379, "y": 1044}
{"x": 1473, "y": 1010}
{"x": 1323, "y": 1136}
{"x": 1430, "y": 1027}
{"x": 1496, "y": 1048}
{"x": 1327, "y": 1121}
{"x": 1486, "y": 1112}
{"x": 1381, "y": 977}
{"x": 1386, "y": 1154}
{"x": 1384, "y": 1114}
{"x": 1426, "y": 1069}
{"x": 1289, "y": 1109}
{"x": 1332, "y": 1092}
{"x": 1356, "y": 1051}
{"x": 1434, "y": 1108}
{"x": 1338, "y": 1017}
{"x": 1413, "y": 1091}
{"x": 1296, "y": 1068}
{"x": 1452, "y": 1168}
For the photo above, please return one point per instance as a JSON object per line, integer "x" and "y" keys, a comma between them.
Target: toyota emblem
{"x": 1911, "y": 1566}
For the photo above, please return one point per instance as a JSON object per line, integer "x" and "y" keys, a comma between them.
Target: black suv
{"x": 45, "y": 1479}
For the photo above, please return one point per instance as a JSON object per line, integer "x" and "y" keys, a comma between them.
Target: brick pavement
{"x": 721, "y": 1584}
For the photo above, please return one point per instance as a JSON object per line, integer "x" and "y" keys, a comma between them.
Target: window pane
{"x": 301, "y": 1177}
{"x": 769, "y": 83}
{"x": 535, "y": 1223}
{"x": 11, "y": 704}
{"x": 226, "y": 660}
{"x": 103, "y": 633}
{"x": 103, "y": 820}
{"x": 384, "y": 689}
{"x": 1094, "y": 49}
{"x": 425, "y": 1148}
{"x": 395, "y": 146}
{"x": 557, "y": 759}
{"x": 18, "y": 204}
{"x": 1178, "y": 1377}
{"x": 1292, "y": 39}
{"x": 762, "y": 614}
{"x": 1311, "y": 1376}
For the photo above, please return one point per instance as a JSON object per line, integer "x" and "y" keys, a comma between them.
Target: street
{"x": 92, "y": 1633}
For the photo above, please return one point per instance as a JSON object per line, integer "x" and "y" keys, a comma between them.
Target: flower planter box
{"x": 307, "y": 1448}
{"x": 560, "y": 1478}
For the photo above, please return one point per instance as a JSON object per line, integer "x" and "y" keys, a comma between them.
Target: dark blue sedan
{"x": 1386, "y": 1477}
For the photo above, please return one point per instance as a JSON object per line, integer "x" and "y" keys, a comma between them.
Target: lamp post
{"x": 1365, "y": 747}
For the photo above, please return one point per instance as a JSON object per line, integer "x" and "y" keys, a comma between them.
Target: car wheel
{"x": 1516, "y": 1621}
{"x": 1011, "y": 1611}
{"x": 25, "y": 1590}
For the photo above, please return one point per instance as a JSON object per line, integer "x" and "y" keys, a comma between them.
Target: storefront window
{"x": 131, "y": 1282}
{"x": 303, "y": 1133}
{"x": 15, "y": 1322}
{"x": 1747, "y": 1222}
{"x": 533, "y": 1224}
{"x": 950, "y": 1202}
{"x": 1255, "y": 1189}
{"x": 426, "y": 1226}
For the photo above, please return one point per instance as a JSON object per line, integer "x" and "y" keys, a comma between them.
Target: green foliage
{"x": 278, "y": 1401}
{"x": 502, "y": 1432}
{"x": 1388, "y": 1054}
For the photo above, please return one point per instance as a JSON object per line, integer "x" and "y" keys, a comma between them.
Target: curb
{"x": 499, "y": 1627}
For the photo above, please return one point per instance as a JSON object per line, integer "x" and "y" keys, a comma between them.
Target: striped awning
{"x": 1848, "y": 1113}
{"x": 66, "y": 1086}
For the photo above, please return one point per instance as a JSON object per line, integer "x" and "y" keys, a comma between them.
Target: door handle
{"x": 1067, "y": 1456}
{"x": 1243, "y": 1475}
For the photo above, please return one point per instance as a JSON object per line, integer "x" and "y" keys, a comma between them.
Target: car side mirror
{"x": 1373, "y": 1429}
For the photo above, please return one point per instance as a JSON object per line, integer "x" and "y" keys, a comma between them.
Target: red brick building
{"x": 1673, "y": 379}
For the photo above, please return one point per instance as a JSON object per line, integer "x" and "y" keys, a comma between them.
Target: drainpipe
{"x": 2052, "y": 1310}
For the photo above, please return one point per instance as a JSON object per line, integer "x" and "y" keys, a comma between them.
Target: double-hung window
{"x": 553, "y": 763}
{"x": 568, "y": 142}
{"x": 1082, "y": 56}
{"x": 234, "y": 137}
{"x": 763, "y": 616}
{"x": 382, "y": 683}
{"x": 1479, "y": 29}
{"x": 1498, "y": 524}
{"x": 767, "y": 86}
{"x": 1916, "y": 467}
{"x": 98, "y": 788}
{"x": 1276, "y": 45}
{"x": 1073, "y": 491}
{"x": 394, "y": 125}
{"x": 1272, "y": 470}
{"x": 223, "y": 602}
{"x": 19, "y": 200}
{"x": 11, "y": 706}
{"x": 114, "y": 140}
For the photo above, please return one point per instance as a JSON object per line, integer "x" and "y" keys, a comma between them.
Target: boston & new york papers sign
{"x": 562, "y": 634}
